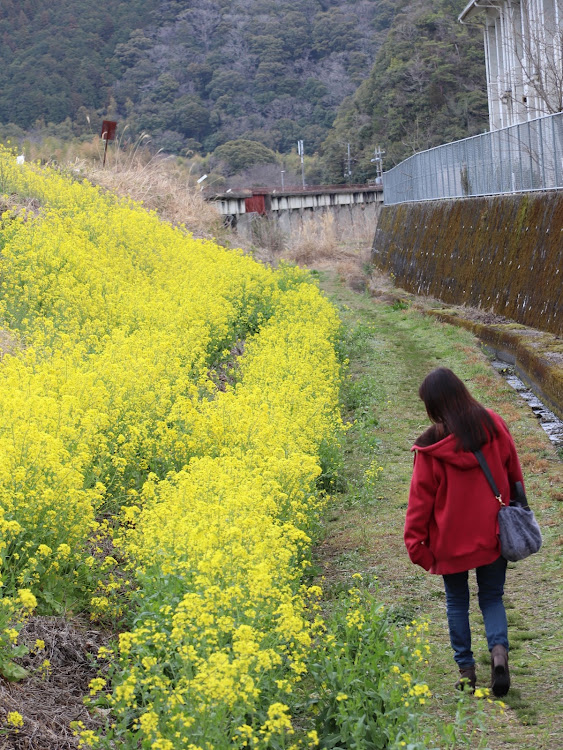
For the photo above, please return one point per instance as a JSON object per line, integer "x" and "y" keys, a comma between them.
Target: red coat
{"x": 451, "y": 523}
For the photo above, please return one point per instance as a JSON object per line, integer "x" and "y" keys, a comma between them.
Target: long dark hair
{"x": 454, "y": 410}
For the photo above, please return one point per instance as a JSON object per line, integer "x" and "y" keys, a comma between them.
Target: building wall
{"x": 503, "y": 253}
{"x": 524, "y": 58}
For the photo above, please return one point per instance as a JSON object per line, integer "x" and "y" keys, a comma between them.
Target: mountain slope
{"x": 427, "y": 87}
{"x": 193, "y": 74}
{"x": 56, "y": 57}
{"x": 210, "y": 71}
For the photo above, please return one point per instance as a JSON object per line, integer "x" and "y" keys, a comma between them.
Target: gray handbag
{"x": 519, "y": 533}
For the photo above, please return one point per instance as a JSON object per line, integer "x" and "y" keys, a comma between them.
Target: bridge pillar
{"x": 350, "y": 206}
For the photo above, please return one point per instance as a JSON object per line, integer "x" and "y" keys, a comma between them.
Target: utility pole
{"x": 301, "y": 152}
{"x": 282, "y": 180}
{"x": 378, "y": 161}
{"x": 348, "y": 164}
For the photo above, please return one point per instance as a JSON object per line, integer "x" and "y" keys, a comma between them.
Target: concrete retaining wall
{"x": 348, "y": 219}
{"x": 503, "y": 253}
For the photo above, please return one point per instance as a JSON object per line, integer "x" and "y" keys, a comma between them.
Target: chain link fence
{"x": 523, "y": 157}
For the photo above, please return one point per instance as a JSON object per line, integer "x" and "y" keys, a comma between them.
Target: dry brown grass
{"x": 8, "y": 342}
{"x": 322, "y": 238}
{"x": 161, "y": 183}
{"x": 157, "y": 182}
{"x": 314, "y": 240}
{"x": 321, "y": 242}
{"x": 532, "y": 463}
{"x": 19, "y": 205}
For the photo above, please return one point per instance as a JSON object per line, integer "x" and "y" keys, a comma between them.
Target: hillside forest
{"x": 196, "y": 76}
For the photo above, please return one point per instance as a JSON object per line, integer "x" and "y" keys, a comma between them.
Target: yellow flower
{"x": 313, "y": 738}
{"x": 481, "y": 692}
{"x": 278, "y": 720}
{"x": 45, "y": 667}
{"x": 114, "y": 400}
{"x": 96, "y": 685}
{"x": 12, "y": 634}
{"x": 149, "y": 722}
{"x": 245, "y": 731}
{"x": 341, "y": 697}
{"x": 163, "y": 744}
{"x": 14, "y": 719}
{"x": 88, "y": 739}
{"x": 421, "y": 689}
{"x": 27, "y": 599}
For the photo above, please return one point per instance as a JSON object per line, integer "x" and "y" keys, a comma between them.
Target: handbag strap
{"x": 485, "y": 466}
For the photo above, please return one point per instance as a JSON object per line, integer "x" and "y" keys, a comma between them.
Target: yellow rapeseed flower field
{"x": 110, "y": 409}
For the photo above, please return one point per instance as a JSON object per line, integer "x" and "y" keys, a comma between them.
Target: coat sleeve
{"x": 512, "y": 465}
{"x": 421, "y": 503}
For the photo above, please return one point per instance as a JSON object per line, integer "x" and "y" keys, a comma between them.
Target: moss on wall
{"x": 503, "y": 253}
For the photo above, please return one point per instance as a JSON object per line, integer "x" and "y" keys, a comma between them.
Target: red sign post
{"x": 109, "y": 128}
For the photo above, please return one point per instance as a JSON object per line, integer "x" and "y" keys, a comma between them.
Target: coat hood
{"x": 445, "y": 450}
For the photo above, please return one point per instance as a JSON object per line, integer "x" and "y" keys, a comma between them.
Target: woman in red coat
{"x": 451, "y": 524}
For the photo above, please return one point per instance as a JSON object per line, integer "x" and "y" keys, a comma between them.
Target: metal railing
{"x": 523, "y": 157}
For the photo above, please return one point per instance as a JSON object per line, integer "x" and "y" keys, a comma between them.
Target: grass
{"x": 391, "y": 347}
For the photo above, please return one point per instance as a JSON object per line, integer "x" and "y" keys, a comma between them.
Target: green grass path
{"x": 391, "y": 348}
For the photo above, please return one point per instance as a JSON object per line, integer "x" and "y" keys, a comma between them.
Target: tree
{"x": 428, "y": 83}
{"x": 131, "y": 51}
{"x": 333, "y": 32}
{"x": 204, "y": 20}
{"x": 244, "y": 61}
{"x": 242, "y": 154}
{"x": 167, "y": 88}
{"x": 199, "y": 75}
{"x": 189, "y": 117}
{"x": 225, "y": 82}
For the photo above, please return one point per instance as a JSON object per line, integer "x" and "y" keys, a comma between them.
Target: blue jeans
{"x": 490, "y": 580}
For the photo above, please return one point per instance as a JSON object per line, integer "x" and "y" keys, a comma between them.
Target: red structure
{"x": 108, "y": 134}
{"x": 108, "y": 130}
{"x": 260, "y": 202}
{"x": 255, "y": 204}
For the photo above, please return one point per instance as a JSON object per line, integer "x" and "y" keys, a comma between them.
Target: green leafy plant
{"x": 369, "y": 689}
{"x": 363, "y": 675}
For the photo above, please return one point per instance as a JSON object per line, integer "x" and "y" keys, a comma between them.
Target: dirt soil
{"x": 52, "y": 696}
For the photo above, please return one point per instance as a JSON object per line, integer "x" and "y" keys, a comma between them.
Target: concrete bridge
{"x": 289, "y": 207}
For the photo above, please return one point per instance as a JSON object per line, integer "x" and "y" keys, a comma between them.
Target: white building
{"x": 524, "y": 57}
